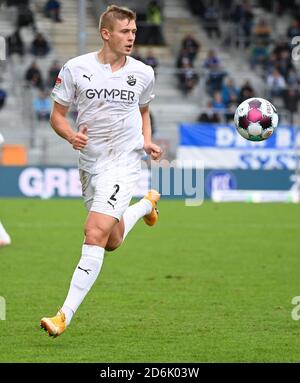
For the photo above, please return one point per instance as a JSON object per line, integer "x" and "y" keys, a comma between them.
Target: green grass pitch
{"x": 207, "y": 284}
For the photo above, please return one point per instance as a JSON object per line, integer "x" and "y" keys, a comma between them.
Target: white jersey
{"x": 108, "y": 103}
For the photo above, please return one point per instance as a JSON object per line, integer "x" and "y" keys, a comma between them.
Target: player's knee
{"x": 95, "y": 236}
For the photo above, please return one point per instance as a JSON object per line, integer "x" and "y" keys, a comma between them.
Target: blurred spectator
{"x": 262, "y": 32}
{"x": 292, "y": 78}
{"x": 53, "y": 73}
{"x": 52, "y": 10}
{"x": 188, "y": 78}
{"x": 211, "y": 21}
{"x": 33, "y": 76}
{"x": 209, "y": 115}
{"x": 153, "y": 12}
{"x": 182, "y": 58}
{"x": 197, "y": 7}
{"x": 42, "y": 106}
{"x": 259, "y": 55}
{"x": 284, "y": 63}
{"x": 281, "y": 45}
{"x": 280, "y": 57}
{"x": 230, "y": 93}
{"x": 293, "y": 30}
{"x": 217, "y": 103}
{"x": 211, "y": 60}
{"x": 226, "y": 8}
{"x": 220, "y": 107}
{"x": 276, "y": 83}
{"x": 25, "y": 17}
{"x": 214, "y": 81}
{"x": 191, "y": 45}
{"x": 246, "y": 91}
{"x": 15, "y": 43}
{"x": 154, "y": 19}
{"x": 151, "y": 60}
{"x": 40, "y": 46}
{"x": 3, "y": 96}
{"x": 243, "y": 16}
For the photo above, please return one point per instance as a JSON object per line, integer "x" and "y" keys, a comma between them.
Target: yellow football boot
{"x": 153, "y": 196}
{"x": 55, "y": 325}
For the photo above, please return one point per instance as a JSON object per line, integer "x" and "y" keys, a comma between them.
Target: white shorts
{"x": 110, "y": 191}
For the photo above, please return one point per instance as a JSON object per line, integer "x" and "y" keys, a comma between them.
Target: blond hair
{"x": 112, "y": 13}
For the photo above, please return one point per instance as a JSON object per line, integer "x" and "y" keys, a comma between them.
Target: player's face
{"x": 121, "y": 38}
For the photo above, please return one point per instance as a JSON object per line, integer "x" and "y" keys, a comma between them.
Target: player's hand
{"x": 154, "y": 150}
{"x": 80, "y": 139}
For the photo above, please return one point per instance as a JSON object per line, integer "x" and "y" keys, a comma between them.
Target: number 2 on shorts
{"x": 113, "y": 196}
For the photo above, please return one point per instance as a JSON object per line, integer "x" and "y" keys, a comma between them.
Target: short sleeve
{"x": 147, "y": 95}
{"x": 64, "y": 89}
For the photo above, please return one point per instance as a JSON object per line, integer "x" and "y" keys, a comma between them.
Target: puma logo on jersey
{"x": 88, "y": 77}
{"x": 131, "y": 80}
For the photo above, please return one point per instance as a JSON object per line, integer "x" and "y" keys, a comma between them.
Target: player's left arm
{"x": 149, "y": 147}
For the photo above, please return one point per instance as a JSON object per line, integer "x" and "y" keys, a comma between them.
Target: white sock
{"x": 4, "y": 235}
{"x": 134, "y": 212}
{"x": 83, "y": 278}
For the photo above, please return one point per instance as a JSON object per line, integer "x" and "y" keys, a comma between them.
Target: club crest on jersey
{"x": 131, "y": 80}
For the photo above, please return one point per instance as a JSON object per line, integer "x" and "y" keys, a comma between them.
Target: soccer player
{"x": 112, "y": 91}
{"x": 4, "y": 237}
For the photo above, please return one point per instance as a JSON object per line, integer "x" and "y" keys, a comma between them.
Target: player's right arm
{"x": 63, "y": 95}
{"x": 62, "y": 127}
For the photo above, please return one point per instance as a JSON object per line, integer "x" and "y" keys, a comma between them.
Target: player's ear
{"x": 104, "y": 32}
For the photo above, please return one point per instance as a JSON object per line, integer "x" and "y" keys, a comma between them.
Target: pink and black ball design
{"x": 256, "y": 119}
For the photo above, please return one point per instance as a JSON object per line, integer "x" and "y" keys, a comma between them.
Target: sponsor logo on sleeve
{"x": 58, "y": 83}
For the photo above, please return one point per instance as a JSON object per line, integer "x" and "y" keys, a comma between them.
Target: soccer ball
{"x": 256, "y": 119}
